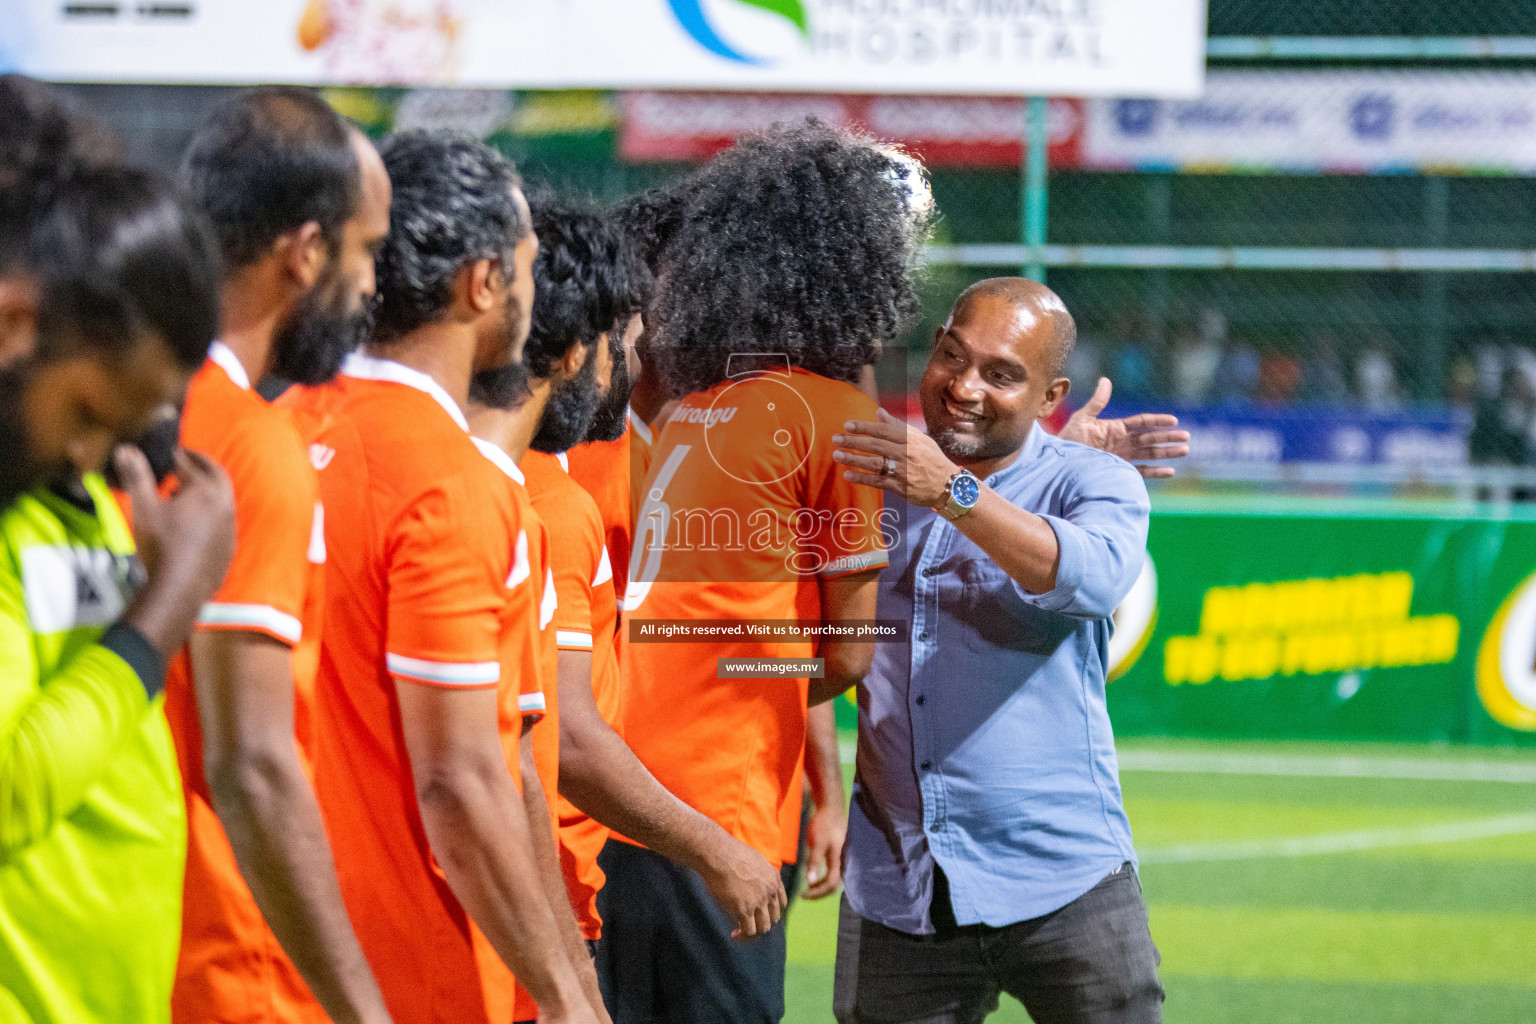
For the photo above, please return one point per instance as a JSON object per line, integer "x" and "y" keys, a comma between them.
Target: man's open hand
{"x": 895, "y": 456}
{"x": 1136, "y": 439}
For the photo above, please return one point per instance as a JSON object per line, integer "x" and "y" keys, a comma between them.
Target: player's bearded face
{"x": 20, "y": 471}
{"x": 330, "y": 322}
{"x": 608, "y": 422}
{"x": 572, "y": 406}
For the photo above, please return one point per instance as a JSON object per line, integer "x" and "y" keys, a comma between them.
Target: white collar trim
{"x": 638, "y": 425}
{"x": 564, "y": 460}
{"x": 373, "y": 368}
{"x": 500, "y": 459}
{"x": 230, "y": 363}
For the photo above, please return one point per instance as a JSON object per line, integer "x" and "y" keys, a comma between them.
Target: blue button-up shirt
{"x": 985, "y": 745}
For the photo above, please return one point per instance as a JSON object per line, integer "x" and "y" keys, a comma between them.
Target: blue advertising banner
{"x": 1410, "y": 438}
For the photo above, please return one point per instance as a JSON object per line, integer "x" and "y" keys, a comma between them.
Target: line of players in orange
{"x": 427, "y": 777}
{"x": 396, "y": 716}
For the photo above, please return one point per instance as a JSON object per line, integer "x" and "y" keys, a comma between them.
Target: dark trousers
{"x": 667, "y": 955}
{"x": 1091, "y": 962}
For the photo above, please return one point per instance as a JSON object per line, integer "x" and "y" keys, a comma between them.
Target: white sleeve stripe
{"x": 447, "y": 673}
{"x": 252, "y": 616}
{"x": 573, "y": 638}
{"x": 531, "y": 702}
{"x": 604, "y": 570}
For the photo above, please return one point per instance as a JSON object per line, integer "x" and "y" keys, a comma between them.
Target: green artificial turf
{"x": 1428, "y": 918}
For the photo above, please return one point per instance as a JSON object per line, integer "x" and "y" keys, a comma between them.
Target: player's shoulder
{"x": 556, "y": 494}
{"x": 257, "y": 443}
{"x": 217, "y": 408}
{"x": 814, "y": 385}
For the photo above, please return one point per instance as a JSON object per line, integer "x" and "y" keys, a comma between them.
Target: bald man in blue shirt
{"x": 988, "y": 848}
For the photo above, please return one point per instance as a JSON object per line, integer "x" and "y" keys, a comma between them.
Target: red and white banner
{"x": 970, "y": 131}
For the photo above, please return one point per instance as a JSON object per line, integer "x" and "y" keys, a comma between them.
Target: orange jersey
{"x": 538, "y": 661}
{"x": 422, "y": 553}
{"x": 746, "y": 512}
{"x": 231, "y": 967}
{"x": 584, "y": 621}
{"x": 613, "y": 472}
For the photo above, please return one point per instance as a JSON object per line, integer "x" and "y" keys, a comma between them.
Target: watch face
{"x": 966, "y": 491}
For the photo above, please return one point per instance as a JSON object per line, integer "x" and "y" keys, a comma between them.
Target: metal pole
{"x": 1036, "y": 142}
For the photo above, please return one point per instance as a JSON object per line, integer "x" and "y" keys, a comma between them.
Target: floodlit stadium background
{"x": 1326, "y": 690}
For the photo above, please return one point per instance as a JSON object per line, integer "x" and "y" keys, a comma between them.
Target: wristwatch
{"x": 961, "y": 494}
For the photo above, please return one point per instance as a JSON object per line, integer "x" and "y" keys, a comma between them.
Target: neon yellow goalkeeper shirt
{"x": 92, "y": 827}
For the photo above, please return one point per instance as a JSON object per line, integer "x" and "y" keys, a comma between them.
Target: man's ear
{"x": 574, "y": 359}
{"x": 481, "y": 286}
{"x": 18, "y": 319}
{"x": 1054, "y": 395}
{"x": 304, "y": 254}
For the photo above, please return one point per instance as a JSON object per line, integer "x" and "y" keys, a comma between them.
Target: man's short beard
{"x": 568, "y": 416}
{"x": 321, "y": 332}
{"x": 971, "y": 449}
{"x": 608, "y": 423}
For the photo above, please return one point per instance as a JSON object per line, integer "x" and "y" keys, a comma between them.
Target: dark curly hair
{"x": 453, "y": 204}
{"x": 588, "y": 279}
{"x": 267, "y": 162}
{"x": 800, "y": 241}
{"x": 652, "y": 217}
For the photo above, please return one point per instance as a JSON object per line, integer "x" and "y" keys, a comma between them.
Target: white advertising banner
{"x": 1327, "y": 122}
{"x": 1149, "y": 48}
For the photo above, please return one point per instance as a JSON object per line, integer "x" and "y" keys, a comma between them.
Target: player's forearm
{"x": 844, "y": 667}
{"x": 63, "y": 742}
{"x": 602, "y": 777}
{"x": 270, "y": 814}
{"x": 547, "y": 858}
{"x": 823, "y": 760}
{"x": 1021, "y": 543}
{"x": 480, "y": 835}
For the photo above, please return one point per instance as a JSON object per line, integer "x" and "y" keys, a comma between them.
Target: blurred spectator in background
{"x": 1237, "y": 376}
{"x": 1490, "y": 362}
{"x": 1324, "y": 382}
{"x": 1376, "y": 380}
{"x": 1461, "y": 392}
{"x": 1084, "y": 367}
{"x": 1502, "y": 427}
{"x": 1196, "y": 356}
{"x": 1279, "y": 379}
{"x": 1133, "y": 373}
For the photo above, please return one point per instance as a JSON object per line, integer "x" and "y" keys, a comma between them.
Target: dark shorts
{"x": 667, "y": 955}
{"x": 1091, "y": 962}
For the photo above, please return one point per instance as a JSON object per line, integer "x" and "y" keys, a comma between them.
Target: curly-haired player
{"x": 791, "y": 263}
{"x": 802, "y": 242}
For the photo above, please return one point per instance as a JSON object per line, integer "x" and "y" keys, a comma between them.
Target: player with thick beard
{"x": 300, "y": 204}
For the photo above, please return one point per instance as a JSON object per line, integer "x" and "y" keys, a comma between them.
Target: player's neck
{"x": 248, "y": 324}
{"x": 512, "y": 430}
{"x": 647, "y": 398}
{"x": 443, "y": 351}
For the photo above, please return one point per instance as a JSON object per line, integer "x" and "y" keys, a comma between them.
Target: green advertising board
{"x": 1393, "y": 621}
